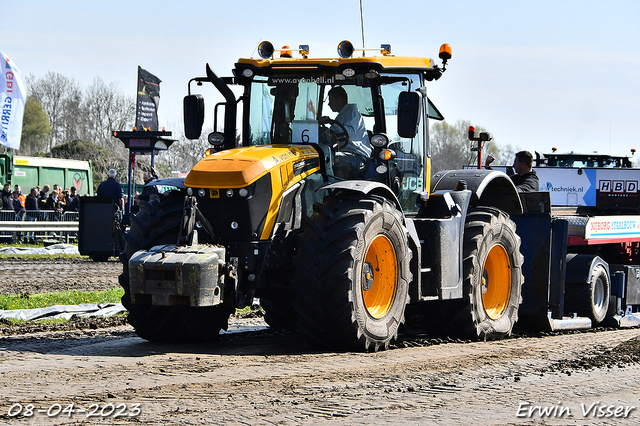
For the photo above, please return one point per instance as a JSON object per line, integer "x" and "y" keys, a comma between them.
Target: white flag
{"x": 311, "y": 109}
{"x": 12, "y": 97}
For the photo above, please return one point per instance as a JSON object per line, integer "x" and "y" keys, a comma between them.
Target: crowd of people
{"x": 39, "y": 204}
{"x": 50, "y": 204}
{"x": 57, "y": 200}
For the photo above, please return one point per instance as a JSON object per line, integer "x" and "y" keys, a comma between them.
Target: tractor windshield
{"x": 287, "y": 110}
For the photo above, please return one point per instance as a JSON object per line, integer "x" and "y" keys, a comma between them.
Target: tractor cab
{"x": 286, "y": 101}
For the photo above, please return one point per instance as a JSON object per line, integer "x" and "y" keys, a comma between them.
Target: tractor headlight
{"x": 229, "y": 193}
{"x": 215, "y": 138}
{"x": 201, "y": 193}
{"x": 189, "y": 192}
{"x": 243, "y": 192}
{"x": 379, "y": 140}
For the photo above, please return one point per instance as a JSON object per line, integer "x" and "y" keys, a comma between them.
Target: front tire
{"x": 352, "y": 273}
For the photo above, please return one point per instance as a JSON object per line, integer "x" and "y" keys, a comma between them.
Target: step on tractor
{"x": 341, "y": 250}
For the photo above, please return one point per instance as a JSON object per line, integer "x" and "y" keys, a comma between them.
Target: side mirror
{"x": 409, "y": 110}
{"x": 193, "y": 116}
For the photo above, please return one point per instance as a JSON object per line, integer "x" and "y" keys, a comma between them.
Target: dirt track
{"x": 277, "y": 379}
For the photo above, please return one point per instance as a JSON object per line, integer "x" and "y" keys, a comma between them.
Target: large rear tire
{"x": 352, "y": 273}
{"x": 158, "y": 222}
{"x": 492, "y": 279}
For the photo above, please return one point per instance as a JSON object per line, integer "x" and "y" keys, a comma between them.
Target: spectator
{"x": 73, "y": 200}
{"x": 135, "y": 208}
{"x": 19, "y": 210}
{"x": 7, "y": 197}
{"x": 31, "y": 205}
{"x": 18, "y": 206}
{"x": 63, "y": 201}
{"x": 53, "y": 203}
{"x": 111, "y": 188}
{"x": 42, "y": 197}
{"x": 21, "y": 196}
{"x": 149, "y": 188}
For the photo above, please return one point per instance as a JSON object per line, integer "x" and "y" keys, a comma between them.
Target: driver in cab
{"x": 350, "y": 159}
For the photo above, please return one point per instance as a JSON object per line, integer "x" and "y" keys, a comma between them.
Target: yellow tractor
{"x": 334, "y": 241}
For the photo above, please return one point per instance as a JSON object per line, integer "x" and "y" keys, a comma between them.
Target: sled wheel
{"x": 590, "y": 299}
{"x": 352, "y": 273}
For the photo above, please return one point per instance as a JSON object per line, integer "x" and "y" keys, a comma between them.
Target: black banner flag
{"x": 148, "y": 100}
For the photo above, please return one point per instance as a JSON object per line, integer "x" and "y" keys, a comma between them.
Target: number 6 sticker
{"x": 304, "y": 131}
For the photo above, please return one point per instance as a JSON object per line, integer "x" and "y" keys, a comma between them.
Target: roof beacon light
{"x": 346, "y": 49}
{"x": 265, "y": 50}
{"x": 285, "y": 52}
{"x": 445, "y": 52}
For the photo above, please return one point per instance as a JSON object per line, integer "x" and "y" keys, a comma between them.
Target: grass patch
{"x": 69, "y": 297}
{"x": 42, "y": 256}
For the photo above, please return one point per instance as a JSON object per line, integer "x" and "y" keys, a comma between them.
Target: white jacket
{"x": 352, "y": 120}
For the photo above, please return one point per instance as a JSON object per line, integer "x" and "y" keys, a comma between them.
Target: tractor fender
{"x": 490, "y": 188}
{"x": 365, "y": 187}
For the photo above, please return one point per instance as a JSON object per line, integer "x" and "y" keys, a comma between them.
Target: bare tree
{"x": 106, "y": 110}
{"x": 451, "y": 148}
{"x": 72, "y": 128}
{"x": 183, "y": 154}
{"x": 89, "y": 115}
{"x": 448, "y": 146}
{"x": 52, "y": 91}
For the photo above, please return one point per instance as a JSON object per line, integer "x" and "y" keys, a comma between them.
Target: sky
{"x": 535, "y": 74}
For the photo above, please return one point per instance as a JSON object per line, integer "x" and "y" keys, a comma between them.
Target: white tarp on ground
{"x": 53, "y": 249}
{"x": 64, "y": 311}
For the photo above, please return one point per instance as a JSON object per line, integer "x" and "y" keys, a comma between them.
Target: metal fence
{"x": 41, "y": 224}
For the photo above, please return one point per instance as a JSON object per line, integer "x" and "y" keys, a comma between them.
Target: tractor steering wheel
{"x": 341, "y": 138}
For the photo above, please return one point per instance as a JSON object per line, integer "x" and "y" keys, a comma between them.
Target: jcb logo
{"x": 619, "y": 186}
{"x": 412, "y": 184}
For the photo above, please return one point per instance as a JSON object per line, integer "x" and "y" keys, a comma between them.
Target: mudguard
{"x": 489, "y": 187}
{"x": 365, "y": 187}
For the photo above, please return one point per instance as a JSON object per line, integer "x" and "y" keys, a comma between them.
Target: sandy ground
{"x": 92, "y": 375}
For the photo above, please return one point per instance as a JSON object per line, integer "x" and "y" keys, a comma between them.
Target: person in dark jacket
{"x": 73, "y": 200}
{"x": 7, "y": 197}
{"x": 32, "y": 207}
{"x": 525, "y": 179}
{"x": 53, "y": 203}
{"x": 111, "y": 188}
